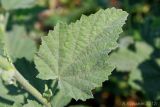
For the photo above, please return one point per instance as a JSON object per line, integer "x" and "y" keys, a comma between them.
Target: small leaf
{"x": 77, "y": 54}
{"x": 144, "y": 49}
{"x": 47, "y": 93}
{"x": 125, "y": 42}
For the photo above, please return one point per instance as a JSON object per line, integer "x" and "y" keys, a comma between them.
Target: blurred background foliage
{"x": 137, "y": 74}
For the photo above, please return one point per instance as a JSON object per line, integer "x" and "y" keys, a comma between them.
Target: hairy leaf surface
{"x": 77, "y": 54}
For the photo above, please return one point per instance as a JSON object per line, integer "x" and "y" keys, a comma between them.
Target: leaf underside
{"x": 77, "y": 54}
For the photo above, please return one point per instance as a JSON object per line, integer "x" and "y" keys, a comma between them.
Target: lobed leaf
{"x": 77, "y": 54}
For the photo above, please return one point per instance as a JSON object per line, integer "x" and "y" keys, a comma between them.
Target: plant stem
{"x": 28, "y": 87}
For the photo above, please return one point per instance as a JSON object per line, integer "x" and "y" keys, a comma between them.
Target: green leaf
{"x": 19, "y": 45}
{"x": 143, "y": 49}
{"x": 32, "y": 104}
{"x": 125, "y": 42}
{"x": 127, "y": 60}
{"x": 3, "y": 22}
{"x": 124, "y": 60}
{"x": 47, "y": 93}
{"x": 77, "y": 54}
{"x": 10, "y": 95}
{"x": 60, "y": 99}
{"x": 17, "y": 4}
{"x": 143, "y": 75}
